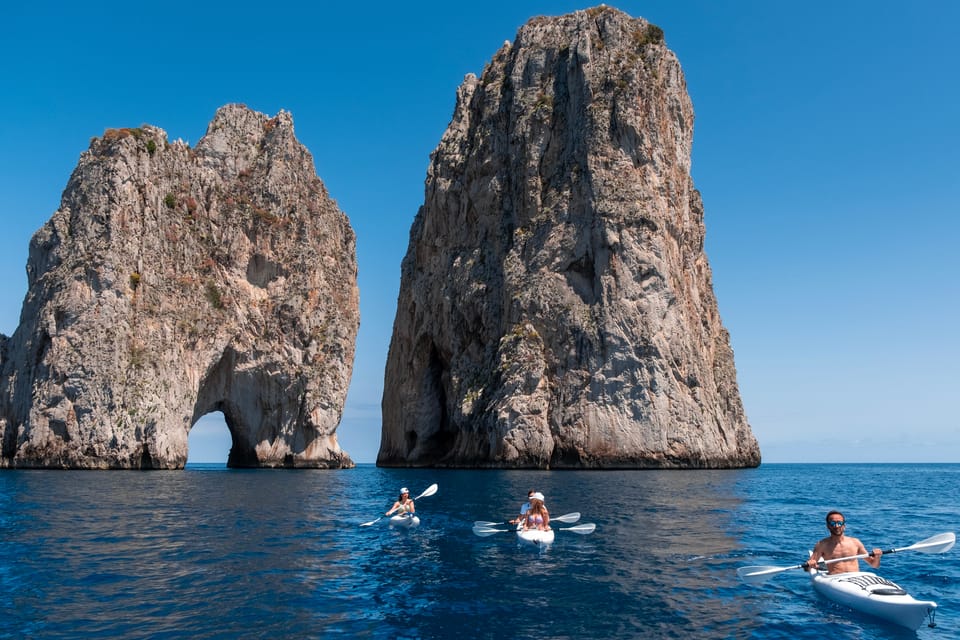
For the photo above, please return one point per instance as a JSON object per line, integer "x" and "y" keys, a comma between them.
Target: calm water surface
{"x": 216, "y": 553}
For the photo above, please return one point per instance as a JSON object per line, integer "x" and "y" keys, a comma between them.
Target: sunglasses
{"x": 836, "y": 523}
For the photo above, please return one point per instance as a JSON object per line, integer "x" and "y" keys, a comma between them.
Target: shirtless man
{"x": 838, "y": 545}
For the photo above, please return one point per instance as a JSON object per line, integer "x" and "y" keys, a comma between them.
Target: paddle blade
{"x": 429, "y": 491}
{"x": 759, "y": 574}
{"x": 940, "y": 543}
{"x": 567, "y": 518}
{"x": 486, "y": 524}
{"x": 367, "y": 524}
{"x": 484, "y": 531}
{"x": 582, "y": 529}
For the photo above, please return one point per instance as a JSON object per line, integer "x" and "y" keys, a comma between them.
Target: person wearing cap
{"x": 524, "y": 508}
{"x": 404, "y": 505}
{"x": 537, "y": 516}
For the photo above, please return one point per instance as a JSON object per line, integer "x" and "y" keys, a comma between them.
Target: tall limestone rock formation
{"x": 173, "y": 282}
{"x": 556, "y": 308}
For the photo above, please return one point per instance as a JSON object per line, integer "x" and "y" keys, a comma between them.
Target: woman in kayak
{"x": 537, "y": 516}
{"x": 404, "y": 505}
{"x": 839, "y": 545}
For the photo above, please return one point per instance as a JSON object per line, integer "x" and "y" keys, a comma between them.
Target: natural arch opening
{"x": 235, "y": 395}
{"x": 210, "y": 440}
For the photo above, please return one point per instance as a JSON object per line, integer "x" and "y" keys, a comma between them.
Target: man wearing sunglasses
{"x": 838, "y": 545}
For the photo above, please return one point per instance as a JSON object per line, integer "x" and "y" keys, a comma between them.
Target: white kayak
{"x": 873, "y": 595}
{"x": 535, "y": 537}
{"x": 405, "y": 521}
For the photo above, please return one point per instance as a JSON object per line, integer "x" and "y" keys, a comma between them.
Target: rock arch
{"x": 172, "y": 282}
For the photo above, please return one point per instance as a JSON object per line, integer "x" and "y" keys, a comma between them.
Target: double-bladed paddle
{"x": 939, "y": 543}
{"x": 582, "y": 529}
{"x": 429, "y": 491}
{"x": 567, "y": 518}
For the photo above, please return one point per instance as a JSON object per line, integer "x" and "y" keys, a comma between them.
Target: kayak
{"x": 535, "y": 537}
{"x": 405, "y": 521}
{"x": 873, "y": 595}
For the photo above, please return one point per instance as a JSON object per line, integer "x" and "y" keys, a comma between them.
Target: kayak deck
{"x": 405, "y": 521}
{"x": 869, "y": 593}
{"x": 536, "y": 537}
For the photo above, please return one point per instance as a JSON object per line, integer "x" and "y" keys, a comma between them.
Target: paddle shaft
{"x": 940, "y": 543}
{"x": 914, "y": 547}
{"x": 566, "y": 518}
{"x": 843, "y": 559}
{"x": 429, "y": 491}
{"x": 582, "y": 529}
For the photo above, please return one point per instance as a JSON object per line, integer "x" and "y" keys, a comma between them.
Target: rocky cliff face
{"x": 556, "y": 306}
{"x": 173, "y": 282}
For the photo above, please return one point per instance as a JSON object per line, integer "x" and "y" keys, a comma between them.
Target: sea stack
{"x": 173, "y": 282}
{"x": 556, "y": 308}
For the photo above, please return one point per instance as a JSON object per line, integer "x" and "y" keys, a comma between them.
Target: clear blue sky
{"x": 826, "y": 149}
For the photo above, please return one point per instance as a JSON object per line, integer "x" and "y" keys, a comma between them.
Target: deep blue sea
{"x": 215, "y": 553}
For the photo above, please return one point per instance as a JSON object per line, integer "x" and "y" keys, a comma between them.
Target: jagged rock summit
{"x": 556, "y": 308}
{"x": 173, "y": 282}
